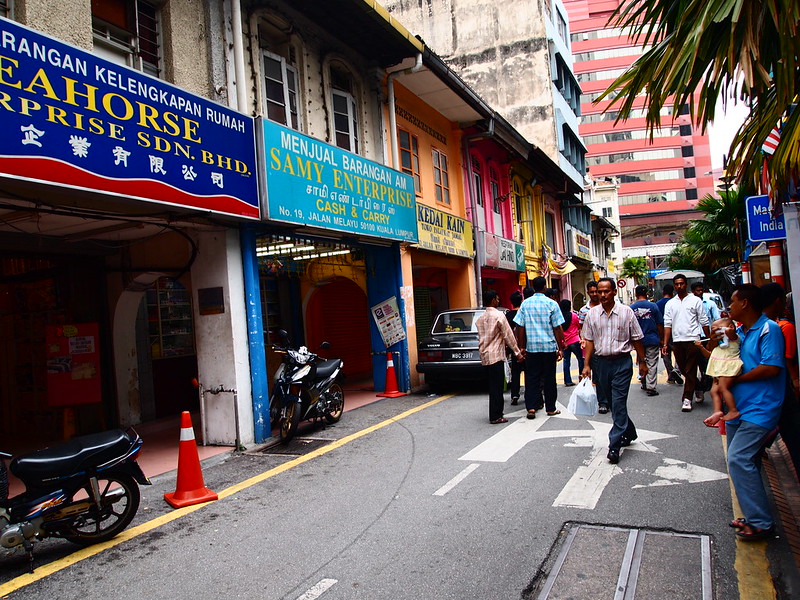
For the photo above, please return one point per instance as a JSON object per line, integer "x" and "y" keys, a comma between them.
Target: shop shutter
{"x": 423, "y": 311}
{"x": 338, "y": 313}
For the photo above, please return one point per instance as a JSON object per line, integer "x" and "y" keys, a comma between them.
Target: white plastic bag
{"x": 583, "y": 400}
{"x": 507, "y": 368}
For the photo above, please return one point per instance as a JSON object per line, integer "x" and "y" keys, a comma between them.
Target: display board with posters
{"x": 73, "y": 364}
{"x": 389, "y": 322}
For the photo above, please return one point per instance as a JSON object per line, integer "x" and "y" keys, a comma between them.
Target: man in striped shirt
{"x": 611, "y": 331}
{"x": 494, "y": 334}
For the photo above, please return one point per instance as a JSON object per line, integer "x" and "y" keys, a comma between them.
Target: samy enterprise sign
{"x": 312, "y": 183}
{"x": 72, "y": 119}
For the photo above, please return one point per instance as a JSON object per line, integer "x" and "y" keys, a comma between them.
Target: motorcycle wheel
{"x": 290, "y": 421}
{"x": 337, "y": 403}
{"x": 115, "y": 513}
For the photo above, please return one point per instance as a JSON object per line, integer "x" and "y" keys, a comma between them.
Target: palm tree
{"x": 705, "y": 49}
{"x": 715, "y": 240}
{"x": 635, "y": 267}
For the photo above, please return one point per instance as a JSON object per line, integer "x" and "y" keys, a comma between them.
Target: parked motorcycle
{"x": 305, "y": 388}
{"x": 84, "y": 490}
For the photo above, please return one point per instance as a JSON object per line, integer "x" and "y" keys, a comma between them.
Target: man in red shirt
{"x": 494, "y": 334}
{"x": 777, "y": 309}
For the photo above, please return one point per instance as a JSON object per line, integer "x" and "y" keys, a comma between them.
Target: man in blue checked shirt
{"x": 542, "y": 337}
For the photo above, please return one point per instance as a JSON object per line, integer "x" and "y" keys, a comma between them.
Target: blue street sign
{"x": 761, "y": 226}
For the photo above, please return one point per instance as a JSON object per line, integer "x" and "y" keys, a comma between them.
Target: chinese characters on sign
{"x": 73, "y": 119}
{"x": 390, "y": 324}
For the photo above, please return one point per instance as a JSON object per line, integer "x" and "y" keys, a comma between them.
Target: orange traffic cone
{"x": 391, "y": 380}
{"x": 190, "y": 487}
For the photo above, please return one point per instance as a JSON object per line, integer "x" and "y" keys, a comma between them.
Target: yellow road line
{"x": 751, "y": 564}
{"x": 84, "y": 553}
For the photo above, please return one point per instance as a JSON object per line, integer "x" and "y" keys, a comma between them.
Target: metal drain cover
{"x": 624, "y": 564}
{"x": 296, "y": 447}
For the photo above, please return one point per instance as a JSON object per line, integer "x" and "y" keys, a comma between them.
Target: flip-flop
{"x": 738, "y": 523}
{"x": 498, "y": 421}
{"x": 553, "y": 413}
{"x": 531, "y": 414}
{"x": 755, "y": 534}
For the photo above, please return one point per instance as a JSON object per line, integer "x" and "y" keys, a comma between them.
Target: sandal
{"x": 553, "y": 413}
{"x": 738, "y": 523}
{"x": 531, "y": 414}
{"x": 753, "y": 534}
{"x": 498, "y": 421}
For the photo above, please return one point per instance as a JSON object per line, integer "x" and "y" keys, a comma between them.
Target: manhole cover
{"x": 625, "y": 564}
{"x": 296, "y": 447}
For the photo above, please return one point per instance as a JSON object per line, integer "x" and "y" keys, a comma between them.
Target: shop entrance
{"x": 336, "y": 314}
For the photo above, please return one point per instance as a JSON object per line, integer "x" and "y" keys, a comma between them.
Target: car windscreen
{"x": 456, "y": 321}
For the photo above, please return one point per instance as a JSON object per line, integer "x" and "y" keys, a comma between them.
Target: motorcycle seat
{"x": 81, "y": 453}
{"x": 326, "y": 368}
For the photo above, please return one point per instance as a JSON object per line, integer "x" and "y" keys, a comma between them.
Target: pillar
{"x": 776, "y": 262}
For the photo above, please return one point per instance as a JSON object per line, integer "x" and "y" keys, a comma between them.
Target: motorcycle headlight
{"x": 301, "y": 373}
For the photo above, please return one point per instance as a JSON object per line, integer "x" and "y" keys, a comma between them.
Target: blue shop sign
{"x": 761, "y": 226}
{"x": 72, "y": 119}
{"x": 312, "y": 183}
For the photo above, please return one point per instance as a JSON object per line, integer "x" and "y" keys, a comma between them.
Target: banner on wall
{"x": 390, "y": 324}
{"x": 73, "y": 364}
{"x": 309, "y": 182}
{"x": 502, "y": 253}
{"x": 72, "y": 119}
{"x": 440, "y": 231}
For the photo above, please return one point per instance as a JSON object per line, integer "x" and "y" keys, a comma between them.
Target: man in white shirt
{"x": 685, "y": 320}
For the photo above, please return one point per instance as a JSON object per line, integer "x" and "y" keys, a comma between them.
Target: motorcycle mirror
{"x": 283, "y": 336}
{"x": 324, "y": 345}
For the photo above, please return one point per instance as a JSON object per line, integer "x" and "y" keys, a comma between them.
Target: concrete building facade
{"x": 659, "y": 181}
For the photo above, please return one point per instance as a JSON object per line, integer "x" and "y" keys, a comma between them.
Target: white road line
{"x": 456, "y": 480}
{"x": 319, "y": 589}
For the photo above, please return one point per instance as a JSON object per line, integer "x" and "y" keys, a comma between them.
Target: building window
{"x": 691, "y": 194}
{"x": 345, "y": 114}
{"x": 477, "y": 181}
{"x": 608, "y": 212}
{"x": 441, "y": 178}
{"x": 280, "y": 89}
{"x": 494, "y": 186}
{"x": 687, "y": 151}
{"x": 409, "y": 156}
{"x": 5, "y": 8}
{"x": 127, "y": 32}
{"x": 550, "y": 230}
{"x": 689, "y": 172}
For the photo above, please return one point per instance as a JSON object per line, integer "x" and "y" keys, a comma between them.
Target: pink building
{"x": 660, "y": 181}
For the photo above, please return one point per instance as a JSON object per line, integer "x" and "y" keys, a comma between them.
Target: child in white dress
{"x": 724, "y": 364}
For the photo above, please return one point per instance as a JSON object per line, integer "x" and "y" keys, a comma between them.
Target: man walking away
{"x": 494, "y": 334}
{"x": 541, "y": 319}
{"x": 673, "y": 376}
{"x": 685, "y": 321}
{"x": 652, "y": 324}
{"x": 611, "y": 331}
{"x": 759, "y": 392}
{"x": 516, "y": 366}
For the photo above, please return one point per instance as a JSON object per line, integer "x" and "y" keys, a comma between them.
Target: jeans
{"x": 613, "y": 379}
{"x": 575, "y": 349}
{"x": 495, "y": 375}
{"x": 540, "y": 378}
{"x": 651, "y": 354}
{"x": 744, "y": 465}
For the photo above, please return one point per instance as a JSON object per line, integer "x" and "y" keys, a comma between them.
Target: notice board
{"x": 73, "y": 364}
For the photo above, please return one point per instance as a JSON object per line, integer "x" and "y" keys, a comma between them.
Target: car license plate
{"x": 463, "y": 355}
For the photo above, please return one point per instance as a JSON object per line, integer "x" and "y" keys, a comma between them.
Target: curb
{"x": 786, "y": 494}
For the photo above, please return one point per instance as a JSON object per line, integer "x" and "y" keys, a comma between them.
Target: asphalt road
{"x": 418, "y": 497}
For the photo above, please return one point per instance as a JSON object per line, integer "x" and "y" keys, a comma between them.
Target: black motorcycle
{"x": 84, "y": 490}
{"x": 305, "y": 388}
